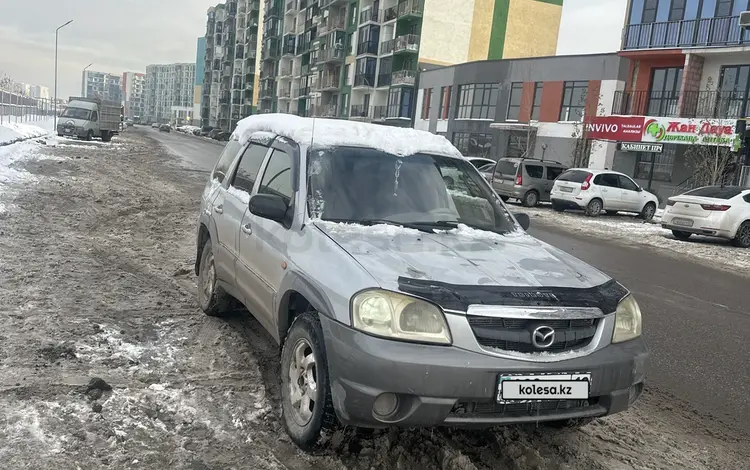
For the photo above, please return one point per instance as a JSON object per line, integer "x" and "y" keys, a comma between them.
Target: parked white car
{"x": 715, "y": 211}
{"x": 597, "y": 190}
{"x": 480, "y": 161}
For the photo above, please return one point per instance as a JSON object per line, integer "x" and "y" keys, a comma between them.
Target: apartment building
{"x": 361, "y": 59}
{"x": 231, "y": 71}
{"x": 688, "y": 82}
{"x": 200, "y": 71}
{"x": 533, "y": 107}
{"x": 169, "y": 93}
{"x": 107, "y": 86}
{"x": 133, "y": 89}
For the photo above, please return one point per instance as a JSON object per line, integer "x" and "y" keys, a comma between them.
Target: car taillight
{"x": 715, "y": 207}
{"x": 586, "y": 183}
{"x": 670, "y": 203}
{"x": 519, "y": 180}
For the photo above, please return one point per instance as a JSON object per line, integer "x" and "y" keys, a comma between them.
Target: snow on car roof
{"x": 339, "y": 132}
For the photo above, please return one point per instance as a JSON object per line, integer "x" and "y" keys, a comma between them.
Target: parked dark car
{"x": 165, "y": 128}
{"x": 206, "y": 130}
{"x": 220, "y": 135}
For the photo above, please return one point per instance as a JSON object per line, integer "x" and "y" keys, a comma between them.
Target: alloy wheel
{"x": 744, "y": 235}
{"x": 209, "y": 278}
{"x": 303, "y": 385}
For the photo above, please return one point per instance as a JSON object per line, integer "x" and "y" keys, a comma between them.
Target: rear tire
{"x": 306, "y": 403}
{"x": 680, "y": 235}
{"x": 648, "y": 212}
{"x": 212, "y": 299}
{"x": 594, "y": 208}
{"x": 106, "y": 136}
{"x": 742, "y": 239}
{"x": 530, "y": 199}
{"x": 504, "y": 198}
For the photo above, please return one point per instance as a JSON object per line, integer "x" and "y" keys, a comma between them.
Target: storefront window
{"x": 663, "y": 164}
{"x": 473, "y": 145}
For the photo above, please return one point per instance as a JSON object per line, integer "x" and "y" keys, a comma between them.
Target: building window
{"x": 733, "y": 94}
{"x": 426, "y": 99}
{"x": 574, "y": 101}
{"x": 663, "y": 164}
{"x": 664, "y": 92}
{"x": 514, "y": 103}
{"x": 445, "y": 102}
{"x": 477, "y": 101}
{"x": 473, "y": 145}
{"x": 536, "y": 108}
{"x": 723, "y": 8}
{"x": 649, "y": 11}
{"x": 677, "y": 10}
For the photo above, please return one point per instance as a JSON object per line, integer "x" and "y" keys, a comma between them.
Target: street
{"x": 108, "y": 362}
{"x": 696, "y": 318}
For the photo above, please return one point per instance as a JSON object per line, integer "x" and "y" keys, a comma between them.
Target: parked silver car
{"x": 526, "y": 179}
{"x": 403, "y": 296}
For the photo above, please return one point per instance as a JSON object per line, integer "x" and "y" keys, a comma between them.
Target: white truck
{"x": 87, "y": 118}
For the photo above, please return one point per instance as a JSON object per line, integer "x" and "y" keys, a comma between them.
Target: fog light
{"x": 385, "y": 404}
{"x": 635, "y": 392}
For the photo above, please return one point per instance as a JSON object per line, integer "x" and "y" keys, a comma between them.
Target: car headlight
{"x": 396, "y": 316}
{"x": 627, "y": 320}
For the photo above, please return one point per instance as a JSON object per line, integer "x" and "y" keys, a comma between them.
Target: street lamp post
{"x": 56, "y": 34}
{"x": 83, "y": 80}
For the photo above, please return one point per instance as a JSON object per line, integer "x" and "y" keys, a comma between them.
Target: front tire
{"x": 594, "y": 208}
{"x": 648, "y": 212}
{"x": 504, "y": 198}
{"x": 307, "y": 407}
{"x": 212, "y": 299}
{"x": 680, "y": 235}
{"x": 530, "y": 199}
{"x": 90, "y": 136}
{"x": 742, "y": 239}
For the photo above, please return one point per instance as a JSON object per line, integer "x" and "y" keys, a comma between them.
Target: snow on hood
{"x": 464, "y": 256}
{"x": 338, "y": 132}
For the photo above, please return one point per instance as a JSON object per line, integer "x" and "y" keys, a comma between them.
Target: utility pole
{"x": 56, "y": 34}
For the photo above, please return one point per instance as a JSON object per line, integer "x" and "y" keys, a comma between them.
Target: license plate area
{"x": 519, "y": 388}
{"x": 566, "y": 189}
{"x": 682, "y": 222}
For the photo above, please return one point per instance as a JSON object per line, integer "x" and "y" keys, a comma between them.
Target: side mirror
{"x": 640, "y": 189}
{"x": 268, "y": 206}
{"x": 523, "y": 220}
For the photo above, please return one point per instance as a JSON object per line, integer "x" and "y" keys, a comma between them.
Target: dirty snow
{"x": 338, "y": 132}
{"x": 11, "y": 132}
{"x": 629, "y": 229}
{"x": 384, "y": 230}
{"x": 240, "y": 194}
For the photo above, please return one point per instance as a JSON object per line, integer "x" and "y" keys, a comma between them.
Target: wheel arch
{"x": 299, "y": 295}
{"x": 206, "y": 231}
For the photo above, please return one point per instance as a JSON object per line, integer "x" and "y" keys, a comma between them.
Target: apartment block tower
{"x": 133, "y": 89}
{"x": 230, "y": 67}
{"x": 169, "y": 93}
{"x": 107, "y": 86}
{"x": 360, "y": 59}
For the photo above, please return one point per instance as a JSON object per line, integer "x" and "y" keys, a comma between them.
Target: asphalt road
{"x": 696, "y": 319}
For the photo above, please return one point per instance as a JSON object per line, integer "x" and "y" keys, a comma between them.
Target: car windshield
{"x": 76, "y": 113}
{"x": 361, "y": 185}
{"x": 716, "y": 192}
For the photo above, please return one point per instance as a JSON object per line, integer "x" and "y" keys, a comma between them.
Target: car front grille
{"x": 520, "y": 409}
{"x": 514, "y": 334}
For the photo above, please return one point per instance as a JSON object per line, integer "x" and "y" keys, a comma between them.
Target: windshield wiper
{"x": 371, "y": 222}
{"x": 453, "y": 224}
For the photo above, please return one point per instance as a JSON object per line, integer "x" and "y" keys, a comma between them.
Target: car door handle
{"x": 219, "y": 209}
{"x": 247, "y": 229}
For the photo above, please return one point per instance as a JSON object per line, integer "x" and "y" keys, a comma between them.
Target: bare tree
{"x": 6, "y": 83}
{"x": 710, "y": 164}
{"x": 583, "y": 146}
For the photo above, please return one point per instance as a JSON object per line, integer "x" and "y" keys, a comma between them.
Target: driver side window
{"x": 627, "y": 183}
{"x": 94, "y": 116}
{"x": 277, "y": 179}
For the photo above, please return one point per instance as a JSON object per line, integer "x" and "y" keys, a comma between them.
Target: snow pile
{"x": 384, "y": 230}
{"x": 337, "y": 132}
{"x": 11, "y": 154}
{"x": 11, "y": 132}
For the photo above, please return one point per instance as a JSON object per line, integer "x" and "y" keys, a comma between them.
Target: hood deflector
{"x": 458, "y": 297}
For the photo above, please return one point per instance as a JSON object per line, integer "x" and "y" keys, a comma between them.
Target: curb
{"x": 5, "y": 144}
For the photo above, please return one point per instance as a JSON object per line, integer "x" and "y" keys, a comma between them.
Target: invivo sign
{"x": 719, "y": 132}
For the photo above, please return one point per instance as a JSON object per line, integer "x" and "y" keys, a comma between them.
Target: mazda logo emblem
{"x": 543, "y": 337}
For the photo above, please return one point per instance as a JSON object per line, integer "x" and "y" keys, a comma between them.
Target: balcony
{"x": 332, "y": 23}
{"x": 329, "y": 82}
{"x": 325, "y": 111}
{"x": 285, "y": 72}
{"x": 411, "y": 9}
{"x": 386, "y": 47}
{"x": 295, "y": 92}
{"x": 688, "y": 104}
{"x": 379, "y": 112}
{"x": 291, "y": 7}
{"x": 285, "y": 93}
{"x": 704, "y": 32}
{"x": 370, "y": 15}
{"x": 384, "y": 79}
{"x": 364, "y": 80}
{"x": 390, "y": 14}
{"x": 367, "y": 47}
{"x": 408, "y": 43}
{"x": 266, "y": 93}
{"x": 330, "y": 55}
{"x": 360, "y": 112}
{"x": 330, "y": 3}
{"x": 274, "y": 11}
{"x": 404, "y": 78}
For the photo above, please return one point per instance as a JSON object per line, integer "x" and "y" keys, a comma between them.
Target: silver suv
{"x": 526, "y": 179}
{"x": 401, "y": 289}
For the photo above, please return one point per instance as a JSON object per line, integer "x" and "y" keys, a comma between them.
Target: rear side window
{"x": 627, "y": 183}
{"x": 575, "y": 176}
{"x": 247, "y": 171}
{"x": 716, "y": 192}
{"x": 225, "y": 160}
{"x": 747, "y": 197}
{"x": 553, "y": 172}
{"x": 535, "y": 171}
{"x": 607, "y": 179}
{"x": 506, "y": 167}
{"x": 277, "y": 179}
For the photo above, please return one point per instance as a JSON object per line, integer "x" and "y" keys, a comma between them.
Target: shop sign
{"x": 719, "y": 132}
{"x": 621, "y": 128}
{"x": 640, "y": 147}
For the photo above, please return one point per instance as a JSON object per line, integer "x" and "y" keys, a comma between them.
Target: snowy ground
{"x": 11, "y": 132}
{"x": 96, "y": 281}
{"x": 631, "y": 230}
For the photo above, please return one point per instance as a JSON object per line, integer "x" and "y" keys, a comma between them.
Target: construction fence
{"x": 20, "y": 108}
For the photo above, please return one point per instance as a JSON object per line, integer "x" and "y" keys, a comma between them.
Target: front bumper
{"x": 446, "y": 385}
{"x": 70, "y": 131}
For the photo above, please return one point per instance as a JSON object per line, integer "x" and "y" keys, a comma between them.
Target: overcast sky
{"x": 116, "y": 35}
{"x": 127, "y": 35}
